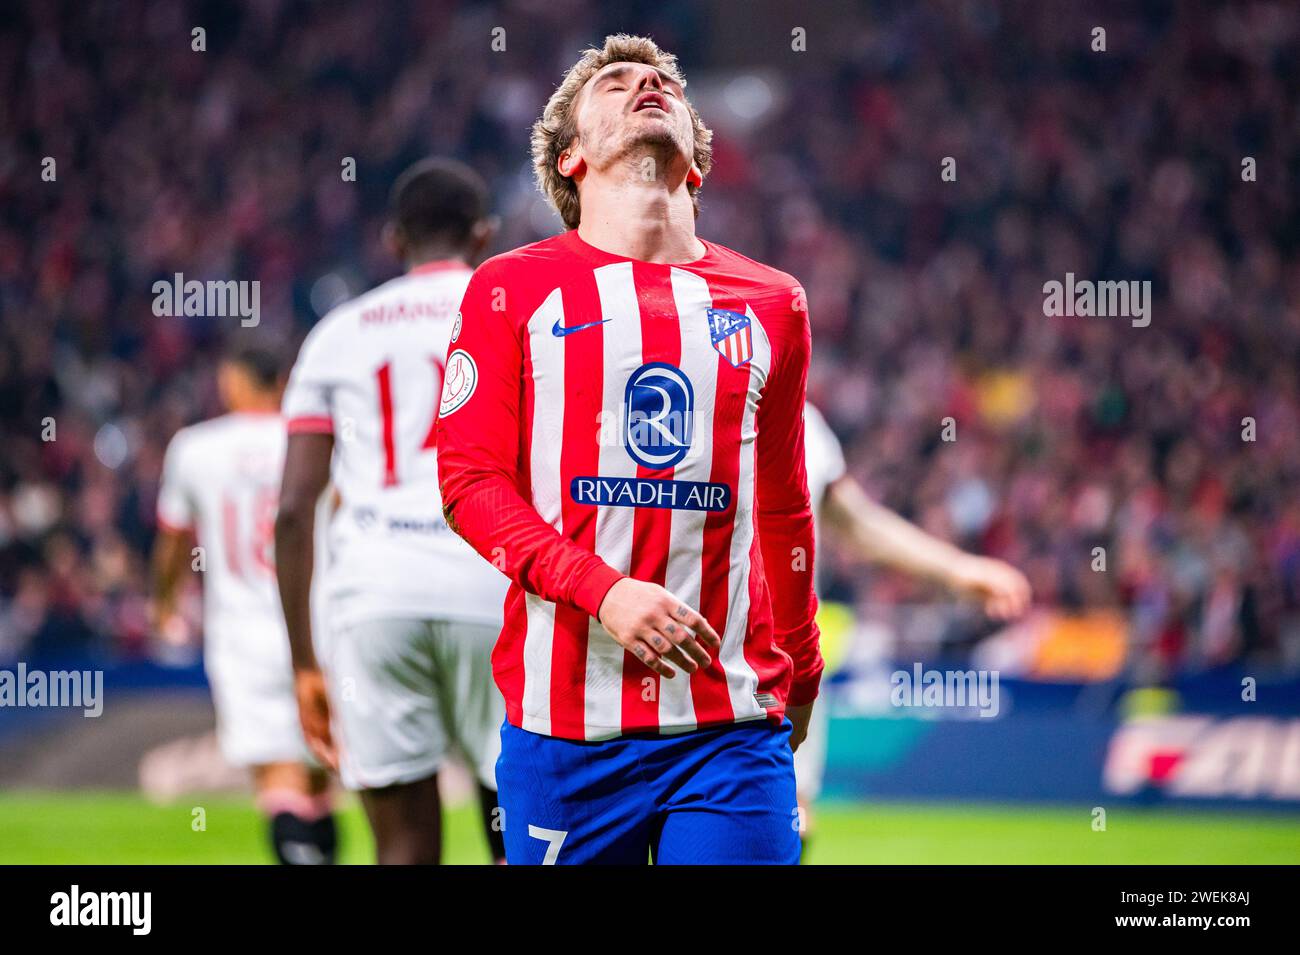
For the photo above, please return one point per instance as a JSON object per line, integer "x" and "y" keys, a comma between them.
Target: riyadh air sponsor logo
{"x": 655, "y": 426}
{"x": 659, "y": 403}
{"x": 1247, "y": 757}
{"x": 559, "y": 331}
{"x": 651, "y": 492}
{"x": 459, "y": 384}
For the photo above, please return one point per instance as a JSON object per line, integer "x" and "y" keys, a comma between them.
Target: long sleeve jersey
{"x": 604, "y": 417}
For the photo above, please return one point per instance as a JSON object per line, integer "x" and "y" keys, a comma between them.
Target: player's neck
{"x": 652, "y": 221}
{"x": 432, "y": 255}
{"x": 260, "y": 407}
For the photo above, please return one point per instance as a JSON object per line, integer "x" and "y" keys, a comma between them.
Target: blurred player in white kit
{"x": 412, "y": 611}
{"x": 873, "y": 534}
{"x": 220, "y": 487}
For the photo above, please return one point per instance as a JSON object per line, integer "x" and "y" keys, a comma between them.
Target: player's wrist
{"x": 595, "y": 587}
{"x": 960, "y": 570}
{"x": 805, "y": 686}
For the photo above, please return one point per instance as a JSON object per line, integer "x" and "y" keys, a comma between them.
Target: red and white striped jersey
{"x": 605, "y": 417}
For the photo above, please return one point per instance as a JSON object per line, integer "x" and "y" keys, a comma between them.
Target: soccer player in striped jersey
{"x": 220, "y": 484}
{"x": 412, "y": 611}
{"x": 873, "y": 534}
{"x": 621, "y": 427}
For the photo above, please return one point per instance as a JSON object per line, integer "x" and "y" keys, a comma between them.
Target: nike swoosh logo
{"x": 559, "y": 331}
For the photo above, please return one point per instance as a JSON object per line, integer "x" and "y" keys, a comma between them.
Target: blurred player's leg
{"x": 257, "y": 727}
{"x": 473, "y": 710}
{"x": 493, "y": 824}
{"x": 392, "y": 734}
{"x": 296, "y": 799}
{"x": 810, "y": 769}
{"x": 406, "y": 820}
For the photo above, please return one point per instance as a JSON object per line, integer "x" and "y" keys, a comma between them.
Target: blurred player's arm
{"x": 478, "y": 452}
{"x": 785, "y": 521}
{"x": 306, "y": 474}
{"x": 171, "y": 558}
{"x": 877, "y": 535}
{"x": 310, "y": 423}
{"x": 171, "y": 548}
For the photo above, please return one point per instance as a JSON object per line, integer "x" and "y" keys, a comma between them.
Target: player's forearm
{"x": 306, "y": 474}
{"x": 294, "y": 535}
{"x": 786, "y": 541}
{"x": 877, "y": 535}
{"x": 169, "y": 562}
{"x": 486, "y": 509}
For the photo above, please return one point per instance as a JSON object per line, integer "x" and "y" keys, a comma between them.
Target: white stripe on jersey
{"x": 742, "y": 681}
{"x": 547, "y": 440}
{"x": 603, "y": 697}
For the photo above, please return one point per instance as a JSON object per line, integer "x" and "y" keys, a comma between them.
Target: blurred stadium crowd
{"x": 926, "y": 296}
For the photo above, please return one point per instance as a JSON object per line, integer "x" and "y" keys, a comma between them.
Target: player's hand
{"x": 799, "y": 716}
{"x": 1003, "y": 591}
{"x": 314, "y": 715}
{"x": 656, "y": 627}
{"x": 168, "y": 625}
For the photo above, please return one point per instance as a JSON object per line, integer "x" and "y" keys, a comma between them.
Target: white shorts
{"x": 251, "y": 677}
{"x": 810, "y": 757}
{"x": 405, "y": 692}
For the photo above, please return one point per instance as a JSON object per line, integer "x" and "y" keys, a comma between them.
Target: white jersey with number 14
{"x": 370, "y": 374}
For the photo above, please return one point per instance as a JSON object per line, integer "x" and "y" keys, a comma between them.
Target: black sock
{"x": 487, "y": 799}
{"x": 299, "y": 841}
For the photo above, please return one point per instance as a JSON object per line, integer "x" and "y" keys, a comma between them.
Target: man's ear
{"x": 480, "y": 234}
{"x": 571, "y": 164}
{"x": 391, "y": 237}
{"x": 694, "y": 177}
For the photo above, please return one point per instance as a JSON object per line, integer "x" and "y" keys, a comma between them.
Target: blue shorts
{"x": 718, "y": 796}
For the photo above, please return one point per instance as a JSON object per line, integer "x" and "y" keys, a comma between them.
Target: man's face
{"x": 633, "y": 109}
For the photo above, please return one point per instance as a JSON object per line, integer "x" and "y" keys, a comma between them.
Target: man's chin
{"x": 654, "y": 137}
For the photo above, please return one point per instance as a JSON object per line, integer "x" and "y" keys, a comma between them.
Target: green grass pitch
{"x": 102, "y": 827}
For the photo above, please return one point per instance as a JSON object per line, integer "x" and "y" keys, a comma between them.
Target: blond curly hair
{"x": 556, "y": 130}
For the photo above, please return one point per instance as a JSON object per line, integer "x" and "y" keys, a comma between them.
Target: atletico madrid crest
{"x": 731, "y": 336}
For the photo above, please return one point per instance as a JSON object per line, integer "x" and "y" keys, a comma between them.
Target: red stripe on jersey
{"x": 311, "y": 424}
{"x": 584, "y": 361}
{"x": 661, "y": 340}
{"x": 768, "y": 661}
{"x": 385, "y": 376}
{"x": 508, "y": 668}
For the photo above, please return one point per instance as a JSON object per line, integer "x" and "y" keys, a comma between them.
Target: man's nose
{"x": 649, "y": 79}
